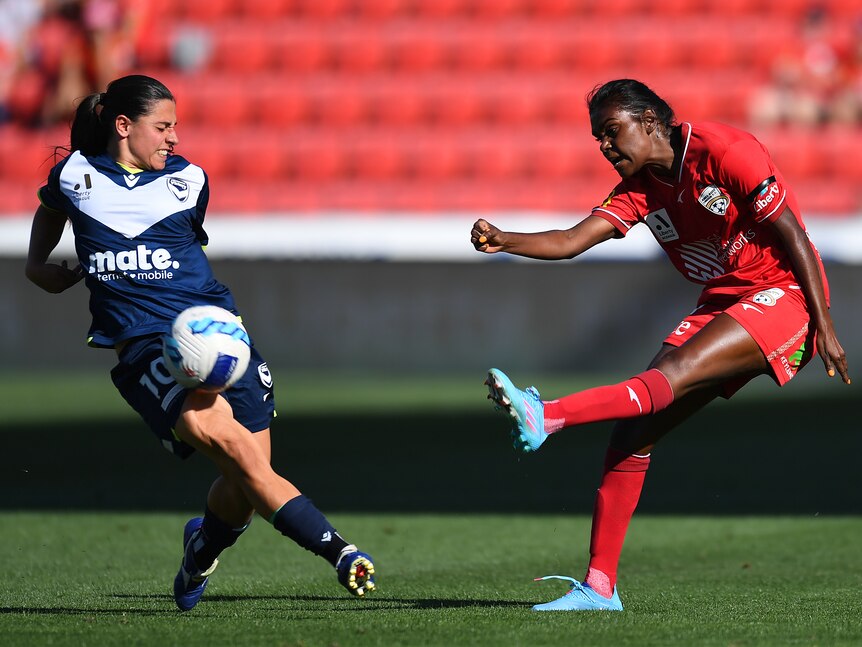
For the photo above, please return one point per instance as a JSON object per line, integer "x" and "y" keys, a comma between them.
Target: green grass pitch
{"x": 745, "y": 536}
{"x": 105, "y": 578}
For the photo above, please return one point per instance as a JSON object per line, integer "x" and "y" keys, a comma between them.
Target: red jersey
{"x": 714, "y": 220}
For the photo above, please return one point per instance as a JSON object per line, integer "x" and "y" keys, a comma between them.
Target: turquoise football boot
{"x": 525, "y": 408}
{"x": 581, "y": 597}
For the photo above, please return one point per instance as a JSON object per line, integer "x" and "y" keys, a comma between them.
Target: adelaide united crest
{"x": 714, "y": 200}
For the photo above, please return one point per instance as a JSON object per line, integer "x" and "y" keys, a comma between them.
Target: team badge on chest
{"x": 180, "y": 188}
{"x": 714, "y": 200}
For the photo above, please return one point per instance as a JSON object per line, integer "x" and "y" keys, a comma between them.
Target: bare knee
{"x": 202, "y": 414}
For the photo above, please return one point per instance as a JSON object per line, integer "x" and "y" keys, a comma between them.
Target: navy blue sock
{"x": 215, "y": 536}
{"x": 306, "y": 525}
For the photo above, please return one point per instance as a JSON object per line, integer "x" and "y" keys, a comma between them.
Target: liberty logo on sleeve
{"x": 766, "y": 198}
{"x": 661, "y": 225}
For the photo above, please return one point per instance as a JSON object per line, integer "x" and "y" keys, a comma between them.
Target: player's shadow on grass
{"x": 749, "y": 457}
{"x": 75, "y": 611}
{"x": 376, "y": 603}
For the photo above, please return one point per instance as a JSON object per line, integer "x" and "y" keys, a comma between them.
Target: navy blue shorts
{"x": 143, "y": 380}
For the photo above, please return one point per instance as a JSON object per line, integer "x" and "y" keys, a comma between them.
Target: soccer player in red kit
{"x": 723, "y": 213}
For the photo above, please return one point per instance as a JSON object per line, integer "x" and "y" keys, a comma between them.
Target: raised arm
{"x": 552, "y": 245}
{"x": 45, "y": 234}
{"x": 807, "y": 271}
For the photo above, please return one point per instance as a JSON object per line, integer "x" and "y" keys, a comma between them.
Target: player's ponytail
{"x": 132, "y": 96}
{"x": 88, "y": 135}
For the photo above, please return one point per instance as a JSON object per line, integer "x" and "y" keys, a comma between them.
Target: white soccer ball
{"x": 208, "y": 348}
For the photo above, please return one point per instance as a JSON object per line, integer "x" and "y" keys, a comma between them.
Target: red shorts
{"x": 776, "y": 318}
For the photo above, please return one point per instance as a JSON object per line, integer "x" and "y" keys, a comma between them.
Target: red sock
{"x": 616, "y": 500}
{"x": 640, "y": 395}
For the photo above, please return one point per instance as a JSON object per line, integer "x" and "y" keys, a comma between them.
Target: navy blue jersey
{"x": 140, "y": 238}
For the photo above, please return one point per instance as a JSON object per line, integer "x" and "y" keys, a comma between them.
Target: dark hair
{"x": 132, "y": 95}
{"x": 632, "y": 96}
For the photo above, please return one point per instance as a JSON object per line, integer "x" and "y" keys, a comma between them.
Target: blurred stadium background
{"x": 351, "y": 143}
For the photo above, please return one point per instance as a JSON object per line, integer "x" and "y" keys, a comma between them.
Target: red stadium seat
{"x": 264, "y": 9}
{"x": 440, "y": 8}
{"x": 416, "y": 47}
{"x": 242, "y": 47}
{"x": 613, "y": 9}
{"x": 199, "y": 147}
{"x": 652, "y": 44}
{"x": 703, "y": 47}
{"x": 731, "y": 8}
{"x": 835, "y": 153}
{"x": 281, "y": 102}
{"x": 474, "y": 103}
{"x": 375, "y": 155}
{"x": 322, "y": 9}
{"x": 590, "y": 51}
{"x": 301, "y": 48}
{"x": 379, "y": 10}
{"x": 493, "y": 155}
{"x": 339, "y": 102}
{"x": 397, "y": 102}
{"x": 258, "y": 155}
{"x": 516, "y": 103}
{"x": 824, "y": 197}
{"x": 566, "y": 104}
{"x": 499, "y": 9}
{"x": 533, "y": 46}
{"x": 232, "y": 197}
{"x": 204, "y": 11}
{"x": 221, "y": 101}
{"x": 27, "y": 156}
{"x": 557, "y": 9}
{"x": 315, "y": 156}
{"x": 358, "y": 47}
{"x": 475, "y": 49}
{"x": 793, "y": 151}
{"x": 454, "y": 102}
{"x": 434, "y": 156}
{"x": 554, "y": 155}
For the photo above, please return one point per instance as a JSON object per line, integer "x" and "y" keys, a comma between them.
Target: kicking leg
{"x": 722, "y": 350}
{"x": 248, "y": 483}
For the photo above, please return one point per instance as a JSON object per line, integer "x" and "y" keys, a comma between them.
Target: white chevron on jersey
{"x": 129, "y": 210}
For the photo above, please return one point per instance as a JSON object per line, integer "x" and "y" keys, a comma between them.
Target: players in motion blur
{"x": 137, "y": 213}
{"x": 726, "y": 218}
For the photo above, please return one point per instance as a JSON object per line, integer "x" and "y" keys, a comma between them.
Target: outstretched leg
{"x": 722, "y": 350}
{"x": 248, "y": 484}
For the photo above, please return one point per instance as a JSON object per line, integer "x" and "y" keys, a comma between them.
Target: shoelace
{"x": 575, "y": 583}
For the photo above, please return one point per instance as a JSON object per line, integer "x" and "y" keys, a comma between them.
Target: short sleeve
{"x": 50, "y": 195}
{"x": 201, "y": 211}
{"x": 619, "y": 209}
{"x": 749, "y": 172}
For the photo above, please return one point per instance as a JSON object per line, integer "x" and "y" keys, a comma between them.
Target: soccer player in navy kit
{"x": 137, "y": 212}
{"x": 726, "y": 218}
